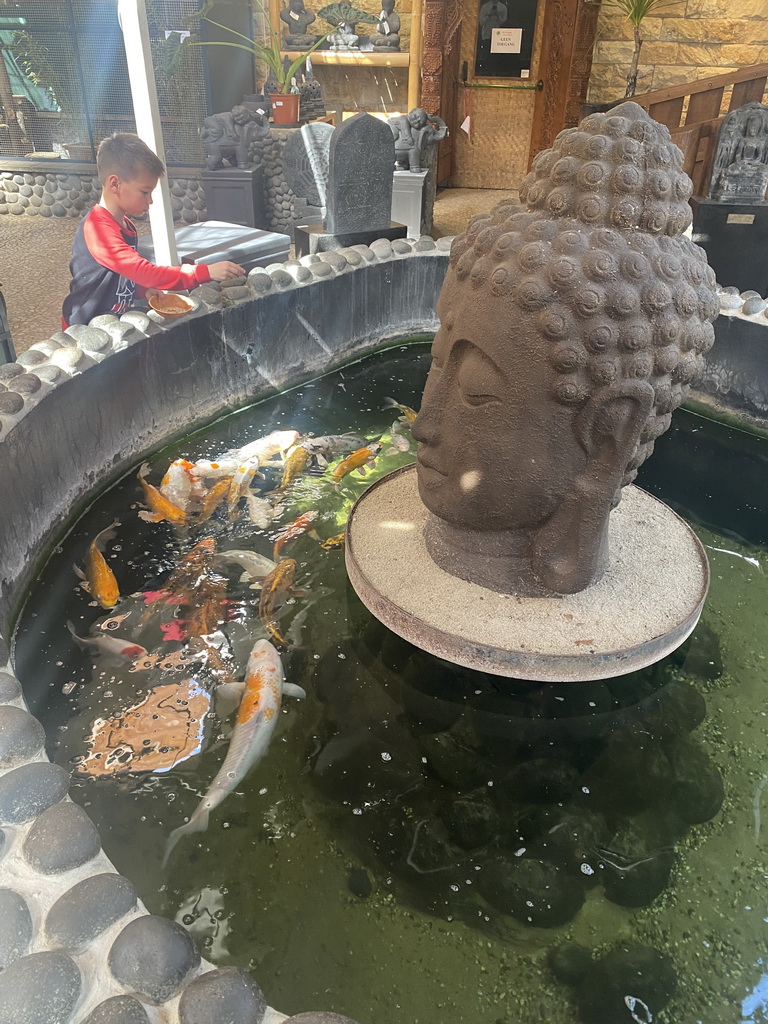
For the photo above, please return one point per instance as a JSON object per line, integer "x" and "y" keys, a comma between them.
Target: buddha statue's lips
{"x": 425, "y": 464}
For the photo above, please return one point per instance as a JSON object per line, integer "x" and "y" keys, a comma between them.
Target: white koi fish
{"x": 261, "y": 512}
{"x": 182, "y": 484}
{"x": 241, "y": 481}
{"x": 264, "y": 448}
{"x": 257, "y": 714}
{"x": 254, "y": 565}
{"x": 113, "y": 646}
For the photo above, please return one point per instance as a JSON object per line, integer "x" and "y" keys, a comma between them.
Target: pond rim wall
{"x": 77, "y": 412}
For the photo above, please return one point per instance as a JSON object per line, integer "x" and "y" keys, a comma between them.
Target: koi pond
{"x": 420, "y": 843}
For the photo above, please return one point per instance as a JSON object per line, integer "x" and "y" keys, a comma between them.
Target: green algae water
{"x": 424, "y": 843}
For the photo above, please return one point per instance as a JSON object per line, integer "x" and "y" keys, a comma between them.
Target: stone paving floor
{"x": 34, "y": 259}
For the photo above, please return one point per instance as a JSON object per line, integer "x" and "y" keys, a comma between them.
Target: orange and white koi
{"x": 257, "y": 715}
{"x": 161, "y": 507}
{"x": 98, "y": 579}
{"x": 293, "y": 530}
{"x": 274, "y": 591}
{"x": 241, "y": 481}
{"x": 112, "y": 646}
{"x": 264, "y": 448}
{"x": 409, "y": 414}
{"x": 357, "y": 460}
{"x": 181, "y": 484}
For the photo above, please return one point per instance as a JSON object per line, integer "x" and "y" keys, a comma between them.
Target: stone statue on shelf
{"x": 297, "y": 19}
{"x": 232, "y": 138}
{"x": 571, "y": 328}
{"x": 344, "y": 18}
{"x": 414, "y": 133}
{"x": 387, "y": 36}
{"x": 740, "y": 168}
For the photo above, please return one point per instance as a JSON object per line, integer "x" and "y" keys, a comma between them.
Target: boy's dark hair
{"x": 126, "y": 156}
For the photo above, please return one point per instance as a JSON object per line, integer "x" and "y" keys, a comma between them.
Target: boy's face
{"x": 134, "y": 197}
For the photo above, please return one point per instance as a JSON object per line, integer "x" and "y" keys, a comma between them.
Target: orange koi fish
{"x": 274, "y": 591}
{"x": 292, "y": 531}
{"x": 409, "y": 414}
{"x": 295, "y": 464}
{"x": 213, "y": 499}
{"x": 98, "y": 579}
{"x": 257, "y": 716}
{"x": 357, "y": 460}
{"x": 161, "y": 508}
{"x": 192, "y": 568}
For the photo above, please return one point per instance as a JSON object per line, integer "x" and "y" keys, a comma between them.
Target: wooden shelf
{"x": 361, "y": 57}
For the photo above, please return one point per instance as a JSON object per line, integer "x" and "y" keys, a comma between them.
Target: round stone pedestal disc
{"x": 646, "y": 604}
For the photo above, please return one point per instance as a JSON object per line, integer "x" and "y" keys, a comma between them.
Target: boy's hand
{"x": 225, "y": 271}
{"x": 150, "y": 293}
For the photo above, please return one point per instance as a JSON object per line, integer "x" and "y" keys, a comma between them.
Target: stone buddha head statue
{"x": 571, "y": 327}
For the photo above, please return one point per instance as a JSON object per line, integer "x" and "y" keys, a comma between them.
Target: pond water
{"x": 423, "y": 843}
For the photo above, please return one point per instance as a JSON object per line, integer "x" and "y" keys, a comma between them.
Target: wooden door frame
{"x": 564, "y": 66}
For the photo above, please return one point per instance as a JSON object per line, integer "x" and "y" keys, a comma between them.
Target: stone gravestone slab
{"x": 306, "y": 162}
{"x": 359, "y": 194}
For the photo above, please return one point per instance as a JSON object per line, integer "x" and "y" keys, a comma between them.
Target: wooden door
{"x": 565, "y": 63}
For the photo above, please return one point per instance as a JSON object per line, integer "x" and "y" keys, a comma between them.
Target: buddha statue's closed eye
{"x": 571, "y": 327}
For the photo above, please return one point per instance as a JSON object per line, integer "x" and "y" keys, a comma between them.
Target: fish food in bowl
{"x": 171, "y": 304}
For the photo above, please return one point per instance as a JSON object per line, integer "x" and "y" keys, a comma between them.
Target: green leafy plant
{"x": 635, "y": 12}
{"x": 270, "y": 54}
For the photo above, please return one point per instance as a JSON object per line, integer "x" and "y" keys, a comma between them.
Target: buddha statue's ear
{"x": 568, "y": 550}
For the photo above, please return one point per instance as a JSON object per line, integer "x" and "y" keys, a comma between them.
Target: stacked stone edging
{"x": 57, "y": 190}
{"x": 76, "y": 944}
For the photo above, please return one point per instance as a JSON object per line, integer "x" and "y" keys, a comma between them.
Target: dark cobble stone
{"x": 359, "y": 883}
{"x": 532, "y": 891}
{"x": 50, "y": 374}
{"x": 10, "y": 403}
{"x": 319, "y": 1017}
{"x": 4, "y": 652}
{"x": 25, "y": 190}
{"x": 573, "y": 841}
{"x": 118, "y": 1010}
{"x": 424, "y": 244}
{"x": 10, "y": 688}
{"x": 472, "y": 820}
{"x": 41, "y": 988}
{"x": 452, "y": 761}
{"x": 93, "y": 339}
{"x": 633, "y": 972}
{"x": 26, "y": 384}
{"x": 21, "y": 736}
{"x": 752, "y": 306}
{"x": 35, "y": 199}
{"x": 153, "y": 957}
{"x": 239, "y": 292}
{"x": 59, "y": 210}
{"x": 48, "y": 200}
{"x": 634, "y": 866}
{"x": 698, "y": 786}
{"x": 45, "y": 211}
{"x": 86, "y": 910}
{"x": 227, "y": 995}
{"x": 27, "y": 791}
{"x": 569, "y": 963}
{"x": 32, "y": 357}
{"x": 10, "y": 370}
{"x": 16, "y": 930}
{"x": 63, "y": 837}
{"x": 681, "y": 708}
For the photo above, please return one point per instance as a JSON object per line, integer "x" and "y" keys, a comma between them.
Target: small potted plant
{"x": 285, "y": 103}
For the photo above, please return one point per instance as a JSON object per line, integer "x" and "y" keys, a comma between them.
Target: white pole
{"x": 133, "y": 21}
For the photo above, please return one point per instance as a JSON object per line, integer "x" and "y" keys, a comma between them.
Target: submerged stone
{"x": 532, "y": 891}
{"x": 87, "y": 909}
{"x": 359, "y": 883}
{"x": 472, "y": 820}
{"x": 227, "y": 995}
{"x": 63, "y": 837}
{"x": 118, "y": 1010}
{"x": 698, "y": 791}
{"x": 542, "y": 780}
{"x": 153, "y": 957}
{"x": 10, "y": 687}
{"x": 635, "y": 869}
{"x": 16, "y": 930}
{"x": 633, "y": 972}
{"x": 41, "y": 988}
{"x": 569, "y": 963}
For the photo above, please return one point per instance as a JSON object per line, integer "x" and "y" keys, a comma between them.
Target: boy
{"x": 106, "y": 268}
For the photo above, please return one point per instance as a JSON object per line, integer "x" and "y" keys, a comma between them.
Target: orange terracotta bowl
{"x": 171, "y": 305}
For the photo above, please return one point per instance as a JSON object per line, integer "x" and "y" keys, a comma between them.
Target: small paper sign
{"x": 741, "y": 218}
{"x": 506, "y": 40}
{"x": 466, "y": 125}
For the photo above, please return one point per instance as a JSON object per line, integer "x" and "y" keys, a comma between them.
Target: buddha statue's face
{"x": 496, "y": 452}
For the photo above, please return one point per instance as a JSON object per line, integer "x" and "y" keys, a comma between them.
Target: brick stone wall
{"x": 683, "y": 42}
